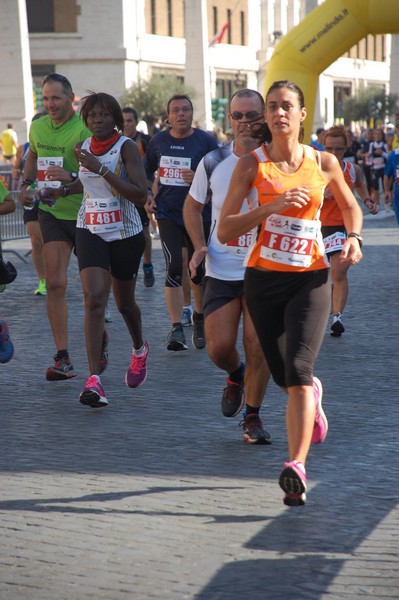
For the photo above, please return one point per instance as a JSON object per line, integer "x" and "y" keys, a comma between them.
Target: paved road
{"x": 157, "y": 496}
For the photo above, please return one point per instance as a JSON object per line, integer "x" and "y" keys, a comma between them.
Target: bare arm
{"x": 387, "y": 187}
{"x": 7, "y": 206}
{"x": 30, "y": 174}
{"x": 351, "y": 211}
{"x": 192, "y": 214}
{"x": 361, "y": 189}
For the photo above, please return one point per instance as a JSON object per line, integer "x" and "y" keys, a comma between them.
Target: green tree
{"x": 371, "y": 105}
{"x": 150, "y": 98}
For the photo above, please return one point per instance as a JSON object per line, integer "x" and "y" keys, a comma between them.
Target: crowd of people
{"x": 370, "y": 149}
{"x": 261, "y": 228}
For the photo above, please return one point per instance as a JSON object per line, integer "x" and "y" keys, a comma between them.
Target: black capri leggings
{"x": 174, "y": 237}
{"x": 290, "y": 313}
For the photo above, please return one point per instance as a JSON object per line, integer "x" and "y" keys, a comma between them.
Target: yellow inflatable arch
{"x": 322, "y": 37}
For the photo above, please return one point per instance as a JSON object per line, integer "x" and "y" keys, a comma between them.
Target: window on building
{"x": 230, "y": 26}
{"x": 52, "y": 16}
{"x": 342, "y": 90}
{"x": 40, "y": 71}
{"x": 40, "y": 16}
{"x": 215, "y": 19}
{"x": 153, "y": 17}
{"x": 170, "y": 18}
{"x": 371, "y": 47}
{"x": 242, "y": 28}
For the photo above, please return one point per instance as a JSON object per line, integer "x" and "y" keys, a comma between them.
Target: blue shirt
{"x": 168, "y": 155}
{"x": 392, "y": 170}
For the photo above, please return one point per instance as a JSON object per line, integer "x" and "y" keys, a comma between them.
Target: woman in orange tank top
{"x": 333, "y": 228}
{"x": 287, "y": 282}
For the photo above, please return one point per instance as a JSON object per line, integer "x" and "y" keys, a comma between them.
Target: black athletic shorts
{"x": 56, "y": 230}
{"x": 218, "y": 292}
{"x": 327, "y": 230}
{"x": 31, "y": 215}
{"x": 121, "y": 257}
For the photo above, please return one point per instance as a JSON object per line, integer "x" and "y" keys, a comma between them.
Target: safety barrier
{"x": 12, "y": 226}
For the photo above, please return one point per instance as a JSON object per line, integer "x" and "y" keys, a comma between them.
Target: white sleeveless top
{"x": 104, "y": 211}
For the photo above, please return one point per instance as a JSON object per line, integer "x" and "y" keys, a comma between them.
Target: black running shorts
{"x": 56, "y": 230}
{"x": 218, "y": 292}
{"x": 121, "y": 257}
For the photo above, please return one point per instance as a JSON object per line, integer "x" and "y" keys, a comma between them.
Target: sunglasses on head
{"x": 252, "y": 115}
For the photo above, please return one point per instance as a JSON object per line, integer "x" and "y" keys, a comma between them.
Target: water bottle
{"x": 45, "y": 197}
{"x": 31, "y": 194}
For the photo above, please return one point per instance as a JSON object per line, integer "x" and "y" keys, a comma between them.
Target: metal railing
{"x": 12, "y": 226}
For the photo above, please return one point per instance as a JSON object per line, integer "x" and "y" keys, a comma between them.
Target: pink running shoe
{"x": 293, "y": 482}
{"x": 137, "y": 372}
{"x": 93, "y": 394}
{"x": 320, "y": 423}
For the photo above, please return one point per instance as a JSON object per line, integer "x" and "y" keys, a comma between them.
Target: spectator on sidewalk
{"x": 9, "y": 144}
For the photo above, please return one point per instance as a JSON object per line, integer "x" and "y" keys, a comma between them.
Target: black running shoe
{"x": 337, "y": 327}
{"x": 198, "y": 337}
{"x": 149, "y": 278}
{"x": 233, "y": 398}
{"x": 62, "y": 369}
{"x": 253, "y": 430}
{"x": 176, "y": 340}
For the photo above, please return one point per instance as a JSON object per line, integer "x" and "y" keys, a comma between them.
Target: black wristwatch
{"x": 74, "y": 176}
{"x": 357, "y": 236}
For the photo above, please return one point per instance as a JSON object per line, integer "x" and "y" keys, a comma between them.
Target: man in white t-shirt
{"x": 224, "y": 300}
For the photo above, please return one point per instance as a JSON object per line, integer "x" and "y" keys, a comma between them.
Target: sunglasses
{"x": 252, "y": 115}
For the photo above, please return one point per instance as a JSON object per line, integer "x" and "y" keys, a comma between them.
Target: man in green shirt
{"x": 50, "y": 162}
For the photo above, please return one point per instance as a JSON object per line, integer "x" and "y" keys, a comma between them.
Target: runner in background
{"x": 130, "y": 120}
{"x": 31, "y": 217}
{"x": 333, "y": 228}
{"x": 224, "y": 299}
{"x": 175, "y": 154}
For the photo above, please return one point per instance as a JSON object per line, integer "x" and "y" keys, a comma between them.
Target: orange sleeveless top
{"x": 331, "y": 213}
{"x": 291, "y": 240}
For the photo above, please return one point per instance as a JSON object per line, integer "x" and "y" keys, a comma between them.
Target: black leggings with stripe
{"x": 174, "y": 238}
{"x": 290, "y": 313}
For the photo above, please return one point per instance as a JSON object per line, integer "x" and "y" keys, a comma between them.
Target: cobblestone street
{"x": 157, "y": 496}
